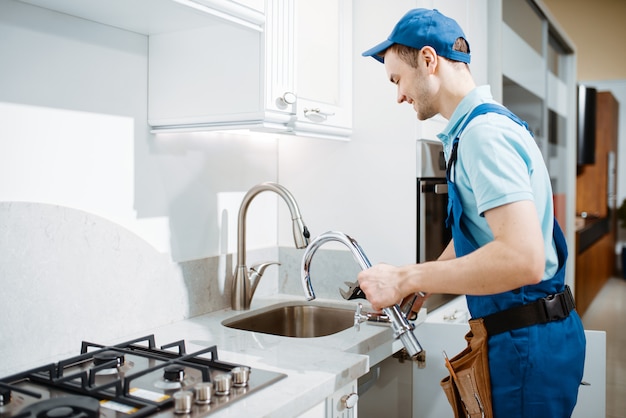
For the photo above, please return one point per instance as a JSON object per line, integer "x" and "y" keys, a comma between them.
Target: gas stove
{"x": 131, "y": 379}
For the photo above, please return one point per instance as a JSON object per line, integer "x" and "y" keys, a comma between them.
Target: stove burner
{"x": 108, "y": 356}
{"x": 118, "y": 363}
{"x": 5, "y": 396}
{"x": 174, "y": 373}
{"x": 60, "y": 412}
{"x": 173, "y": 378}
{"x": 64, "y": 407}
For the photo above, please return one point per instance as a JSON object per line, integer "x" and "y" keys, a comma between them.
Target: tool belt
{"x": 551, "y": 308}
{"x": 468, "y": 387}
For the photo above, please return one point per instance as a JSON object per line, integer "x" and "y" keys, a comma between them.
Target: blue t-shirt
{"x": 498, "y": 162}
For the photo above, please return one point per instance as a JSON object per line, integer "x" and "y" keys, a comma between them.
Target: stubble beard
{"x": 424, "y": 109}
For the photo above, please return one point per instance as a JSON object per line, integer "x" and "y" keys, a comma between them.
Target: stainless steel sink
{"x": 295, "y": 319}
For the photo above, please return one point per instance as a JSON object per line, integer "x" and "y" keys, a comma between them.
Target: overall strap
{"x": 481, "y": 109}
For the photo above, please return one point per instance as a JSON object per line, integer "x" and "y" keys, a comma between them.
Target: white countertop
{"x": 315, "y": 367}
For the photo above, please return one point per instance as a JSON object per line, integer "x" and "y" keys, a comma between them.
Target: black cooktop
{"x": 131, "y": 379}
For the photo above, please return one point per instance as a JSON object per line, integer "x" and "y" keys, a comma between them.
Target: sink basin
{"x": 295, "y": 319}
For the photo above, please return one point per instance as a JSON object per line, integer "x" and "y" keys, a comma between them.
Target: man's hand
{"x": 381, "y": 284}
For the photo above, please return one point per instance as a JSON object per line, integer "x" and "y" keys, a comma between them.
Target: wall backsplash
{"x": 329, "y": 269}
{"x": 68, "y": 276}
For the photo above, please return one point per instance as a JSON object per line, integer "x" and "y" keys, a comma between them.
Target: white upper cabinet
{"x": 265, "y": 65}
{"x": 322, "y": 56}
{"x": 150, "y": 17}
{"x": 293, "y": 77}
{"x": 206, "y": 78}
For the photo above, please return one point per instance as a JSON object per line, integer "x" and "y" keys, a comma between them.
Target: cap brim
{"x": 377, "y": 50}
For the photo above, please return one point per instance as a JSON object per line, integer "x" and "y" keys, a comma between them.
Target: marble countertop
{"x": 315, "y": 367}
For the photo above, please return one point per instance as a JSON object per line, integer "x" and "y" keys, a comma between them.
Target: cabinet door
{"x": 204, "y": 76}
{"x": 309, "y": 52}
{"x": 429, "y": 399}
{"x": 295, "y": 76}
{"x": 341, "y": 404}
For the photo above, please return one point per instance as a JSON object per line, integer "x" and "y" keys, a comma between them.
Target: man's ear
{"x": 430, "y": 57}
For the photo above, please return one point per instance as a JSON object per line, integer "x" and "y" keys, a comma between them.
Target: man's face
{"x": 413, "y": 84}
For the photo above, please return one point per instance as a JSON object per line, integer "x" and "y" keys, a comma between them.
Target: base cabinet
{"x": 430, "y": 401}
{"x": 387, "y": 389}
{"x": 342, "y": 404}
{"x": 428, "y": 397}
{"x": 404, "y": 390}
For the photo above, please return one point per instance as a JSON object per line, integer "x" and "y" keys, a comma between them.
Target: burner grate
{"x": 128, "y": 380}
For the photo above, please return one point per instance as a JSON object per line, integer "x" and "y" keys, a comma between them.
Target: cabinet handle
{"x": 286, "y": 99}
{"x": 350, "y": 400}
{"x": 317, "y": 115}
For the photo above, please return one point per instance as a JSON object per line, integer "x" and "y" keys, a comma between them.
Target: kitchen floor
{"x": 607, "y": 312}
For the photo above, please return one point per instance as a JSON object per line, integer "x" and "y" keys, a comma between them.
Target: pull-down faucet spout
{"x": 242, "y": 289}
{"x": 402, "y": 328}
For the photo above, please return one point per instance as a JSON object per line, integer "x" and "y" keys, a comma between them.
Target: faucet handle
{"x": 256, "y": 272}
{"x": 260, "y": 267}
{"x": 359, "y": 317}
{"x": 375, "y": 317}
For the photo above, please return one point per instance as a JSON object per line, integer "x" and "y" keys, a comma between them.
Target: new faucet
{"x": 242, "y": 289}
{"x": 402, "y": 328}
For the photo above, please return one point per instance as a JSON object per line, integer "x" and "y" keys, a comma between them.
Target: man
{"x": 506, "y": 250}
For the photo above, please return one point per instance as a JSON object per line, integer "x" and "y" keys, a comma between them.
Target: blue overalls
{"x": 535, "y": 371}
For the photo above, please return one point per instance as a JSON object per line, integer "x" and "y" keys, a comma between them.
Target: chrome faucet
{"x": 402, "y": 328}
{"x": 245, "y": 281}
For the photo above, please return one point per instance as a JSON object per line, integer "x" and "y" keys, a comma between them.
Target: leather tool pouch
{"x": 468, "y": 387}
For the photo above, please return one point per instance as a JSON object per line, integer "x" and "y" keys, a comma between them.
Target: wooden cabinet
{"x": 595, "y": 195}
{"x": 292, "y": 77}
{"x": 594, "y": 266}
{"x": 592, "y": 183}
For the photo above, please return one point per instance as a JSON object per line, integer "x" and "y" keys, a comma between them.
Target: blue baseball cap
{"x": 424, "y": 27}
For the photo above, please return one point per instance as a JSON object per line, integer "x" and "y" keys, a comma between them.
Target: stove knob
{"x": 174, "y": 373}
{"x": 182, "y": 402}
{"x": 241, "y": 375}
{"x": 350, "y": 400}
{"x": 203, "y": 392}
{"x": 223, "y": 383}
